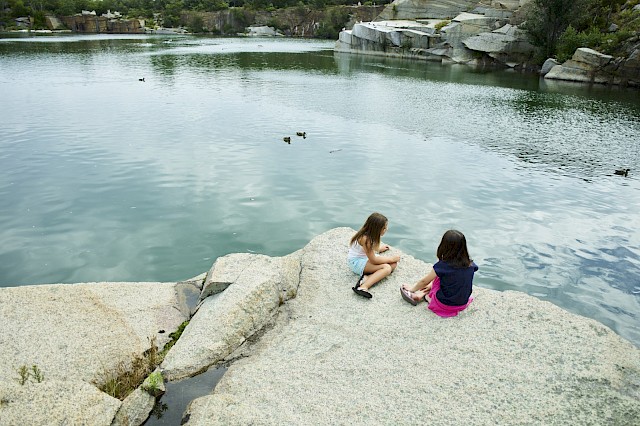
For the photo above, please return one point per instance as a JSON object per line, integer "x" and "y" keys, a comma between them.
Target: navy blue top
{"x": 455, "y": 283}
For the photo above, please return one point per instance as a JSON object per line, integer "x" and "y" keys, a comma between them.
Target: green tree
{"x": 172, "y": 13}
{"x": 548, "y": 19}
{"x": 334, "y": 20}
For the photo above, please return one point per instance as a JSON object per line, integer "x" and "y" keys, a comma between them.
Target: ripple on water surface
{"x": 104, "y": 177}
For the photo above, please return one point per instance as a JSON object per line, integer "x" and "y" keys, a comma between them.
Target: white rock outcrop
{"x": 461, "y": 28}
{"x": 335, "y": 358}
{"x": 261, "y": 31}
{"x": 471, "y": 38}
{"x": 508, "y": 44}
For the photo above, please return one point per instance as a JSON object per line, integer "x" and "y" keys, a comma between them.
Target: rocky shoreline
{"x": 303, "y": 349}
{"x": 478, "y": 34}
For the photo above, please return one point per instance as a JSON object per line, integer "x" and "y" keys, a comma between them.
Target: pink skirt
{"x": 441, "y": 309}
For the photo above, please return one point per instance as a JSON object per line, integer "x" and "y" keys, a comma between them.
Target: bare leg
{"x": 376, "y": 273}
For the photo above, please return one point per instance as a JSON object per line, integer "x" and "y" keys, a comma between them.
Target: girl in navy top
{"x": 447, "y": 287}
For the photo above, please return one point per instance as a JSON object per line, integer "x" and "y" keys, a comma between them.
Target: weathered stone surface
{"x": 77, "y": 331}
{"x": 505, "y": 44}
{"x": 381, "y": 37}
{"x": 548, "y": 64}
{"x": 490, "y": 11}
{"x": 224, "y": 321}
{"x": 197, "y": 281}
{"x": 345, "y": 37}
{"x": 586, "y": 65}
{"x": 461, "y": 28}
{"x": 135, "y": 409}
{"x": 371, "y": 32}
{"x": 55, "y": 402}
{"x": 225, "y": 271}
{"x": 591, "y": 57}
{"x": 415, "y": 9}
{"x": 335, "y": 358}
{"x": 401, "y": 37}
{"x": 188, "y": 293}
{"x": 261, "y": 31}
{"x": 100, "y": 24}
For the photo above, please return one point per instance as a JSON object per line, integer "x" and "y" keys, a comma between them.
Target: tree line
{"x": 11, "y": 9}
{"x": 556, "y": 26}
{"x": 559, "y": 27}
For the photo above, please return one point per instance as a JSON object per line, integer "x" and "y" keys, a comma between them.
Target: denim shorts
{"x": 357, "y": 264}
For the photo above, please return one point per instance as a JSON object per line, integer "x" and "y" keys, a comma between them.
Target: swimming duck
{"x": 141, "y": 79}
{"x": 622, "y": 172}
{"x": 303, "y": 134}
{"x": 287, "y": 139}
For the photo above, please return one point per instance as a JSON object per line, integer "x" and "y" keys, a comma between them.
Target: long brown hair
{"x": 453, "y": 249}
{"x": 372, "y": 229}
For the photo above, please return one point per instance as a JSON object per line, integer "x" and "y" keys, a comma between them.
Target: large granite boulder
{"x": 335, "y": 358}
{"x": 256, "y": 286}
{"x": 586, "y": 65}
{"x": 508, "y": 45}
{"x": 77, "y": 331}
{"x": 55, "y": 402}
{"x": 463, "y": 27}
{"x": 76, "y": 334}
{"x": 548, "y": 65}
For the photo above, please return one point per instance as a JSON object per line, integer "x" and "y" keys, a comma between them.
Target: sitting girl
{"x": 447, "y": 287}
{"x": 362, "y": 258}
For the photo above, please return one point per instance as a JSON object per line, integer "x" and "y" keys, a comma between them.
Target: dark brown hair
{"x": 372, "y": 229}
{"x": 453, "y": 249}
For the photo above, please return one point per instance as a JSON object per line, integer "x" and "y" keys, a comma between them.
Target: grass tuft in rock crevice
{"x": 127, "y": 376}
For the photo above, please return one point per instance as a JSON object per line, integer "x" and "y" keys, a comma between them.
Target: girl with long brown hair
{"x": 362, "y": 257}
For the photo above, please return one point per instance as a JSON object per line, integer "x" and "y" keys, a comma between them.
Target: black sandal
{"x": 362, "y": 292}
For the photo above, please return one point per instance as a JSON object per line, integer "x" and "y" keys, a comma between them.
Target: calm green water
{"x": 107, "y": 178}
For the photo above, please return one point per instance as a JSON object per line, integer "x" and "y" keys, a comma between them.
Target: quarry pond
{"x": 144, "y": 158}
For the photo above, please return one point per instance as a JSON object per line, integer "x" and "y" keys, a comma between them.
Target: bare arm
{"x": 424, "y": 282}
{"x": 383, "y": 247}
{"x": 379, "y": 260}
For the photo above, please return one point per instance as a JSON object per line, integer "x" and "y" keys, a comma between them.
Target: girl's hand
{"x": 383, "y": 248}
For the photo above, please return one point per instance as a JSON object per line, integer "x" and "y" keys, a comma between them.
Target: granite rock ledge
{"x": 315, "y": 353}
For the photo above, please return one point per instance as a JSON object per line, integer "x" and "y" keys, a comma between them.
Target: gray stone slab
{"x": 77, "y": 331}
{"x": 135, "y": 409}
{"x": 335, "y": 358}
{"x": 225, "y": 271}
{"x": 55, "y": 402}
{"x": 258, "y": 286}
